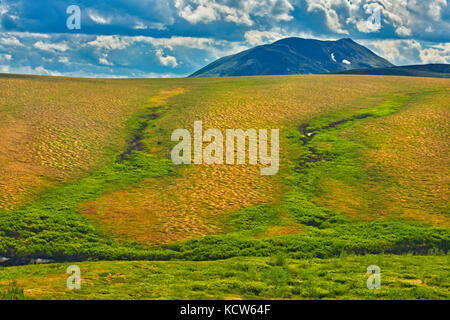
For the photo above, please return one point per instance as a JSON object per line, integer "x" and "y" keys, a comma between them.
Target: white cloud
{"x": 372, "y": 21}
{"x": 29, "y": 70}
{"x": 166, "y": 60}
{"x": 406, "y": 17}
{"x": 238, "y": 12}
{"x": 104, "y": 60}
{"x": 63, "y": 59}
{"x": 5, "y": 57}
{"x": 399, "y": 52}
{"x": 29, "y": 35}
{"x": 403, "y": 31}
{"x": 217, "y": 48}
{"x": 10, "y": 41}
{"x": 435, "y": 8}
{"x": 404, "y": 52}
{"x": 255, "y": 37}
{"x": 159, "y": 75}
{"x": 346, "y": 62}
{"x": 140, "y": 26}
{"x": 3, "y": 10}
{"x": 202, "y": 13}
{"x": 439, "y": 53}
{"x": 97, "y": 18}
{"x": 149, "y": 25}
{"x": 111, "y": 42}
{"x": 328, "y": 7}
{"x": 45, "y": 46}
{"x": 173, "y": 42}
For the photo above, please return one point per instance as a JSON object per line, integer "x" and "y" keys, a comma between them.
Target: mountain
{"x": 295, "y": 56}
{"x": 427, "y": 70}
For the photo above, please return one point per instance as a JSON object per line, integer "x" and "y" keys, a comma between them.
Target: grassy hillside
{"x": 54, "y": 130}
{"x": 87, "y": 175}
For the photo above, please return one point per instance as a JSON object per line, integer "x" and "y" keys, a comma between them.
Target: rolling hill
{"x": 428, "y": 70}
{"x": 295, "y": 56}
{"x": 87, "y": 180}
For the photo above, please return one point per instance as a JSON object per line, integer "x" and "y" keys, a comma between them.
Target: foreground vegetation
{"x": 344, "y": 277}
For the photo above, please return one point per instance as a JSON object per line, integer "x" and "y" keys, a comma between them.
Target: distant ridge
{"x": 426, "y": 70}
{"x": 295, "y": 56}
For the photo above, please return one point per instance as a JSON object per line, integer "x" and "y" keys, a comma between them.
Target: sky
{"x": 154, "y": 39}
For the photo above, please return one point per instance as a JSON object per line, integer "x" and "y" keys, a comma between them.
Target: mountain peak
{"x": 347, "y": 40}
{"x": 295, "y": 56}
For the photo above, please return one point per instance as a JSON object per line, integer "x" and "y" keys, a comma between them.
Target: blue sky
{"x": 150, "y": 38}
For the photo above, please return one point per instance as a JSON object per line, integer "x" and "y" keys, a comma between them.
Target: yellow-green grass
{"x": 54, "y": 130}
{"x": 407, "y": 155}
{"x": 193, "y": 201}
{"x": 198, "y": 200}
{"x": 402, "y": 277}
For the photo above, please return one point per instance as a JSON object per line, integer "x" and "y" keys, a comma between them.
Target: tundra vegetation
{"x": 87, "y": 179}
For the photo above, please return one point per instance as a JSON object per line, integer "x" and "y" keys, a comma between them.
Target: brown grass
{"x": 411, "y": 149}
{"x": 54, "y": 130}
{"x": 196, "y": 201}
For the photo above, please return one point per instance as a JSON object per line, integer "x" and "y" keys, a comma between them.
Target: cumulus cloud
{"x": 406, "y": 17}
{"x": 104, "y": 60}
{"x": 10, "y": 41}
{"x": 329, "y": 9}
{"x": 238, "y": 12}
{"x": 403, "y": 31}
{"x": 403, "y": 52}
{"x": 173, "y": 42}
{"x": 373, "y": 11}
{"x": 40, "y": 70}
{"x": 202, "y": 13}
{"x": 21, "y": 35}
{"x": 139, "y": 25}
{"x": 111, "y": 42}
{"x": 403, "y": 18}
{"x": 399, "y": 52}
{"x": 5, "y": 57}
{"x": 3, "y": 10}
{"x": 63, "y": 59}
{"x": 123, "y": 42}
{"x": 166, "y": 60}
{"x": 45, "y": 46}
{"x": 256, "y": 37}
{"x": 98, "y": 18}
{"x": 439, "y": 53}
